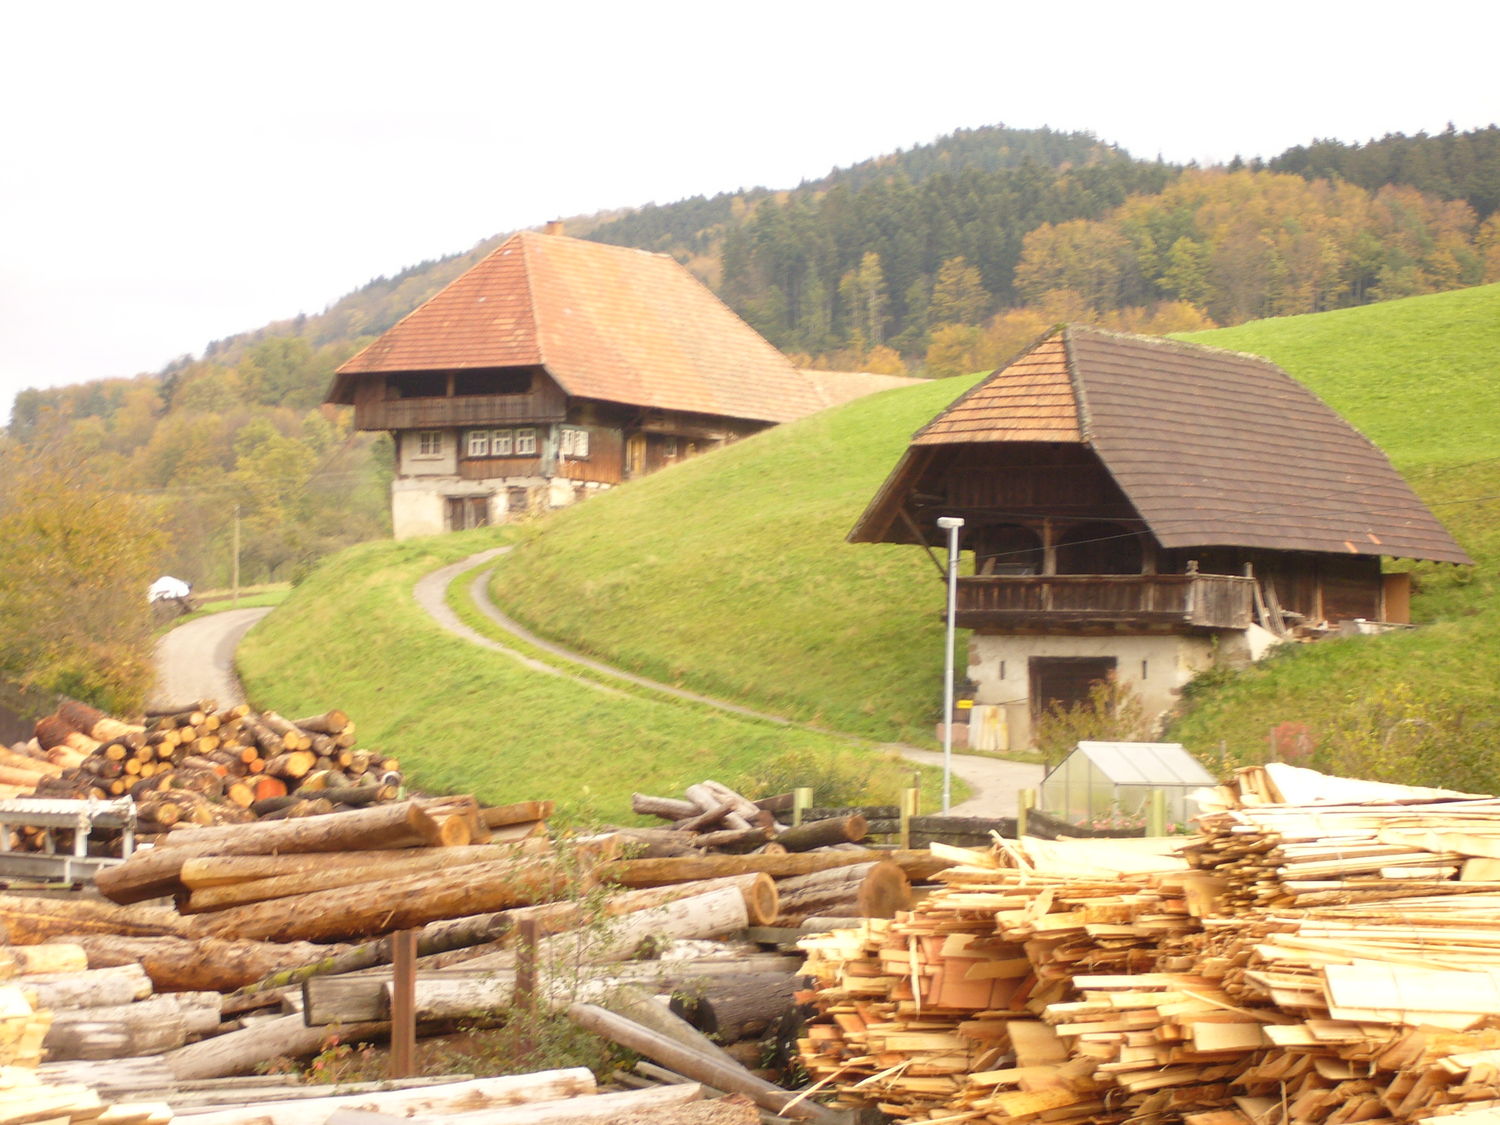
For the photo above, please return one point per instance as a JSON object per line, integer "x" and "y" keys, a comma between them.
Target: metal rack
{"x": 53, "y": 815}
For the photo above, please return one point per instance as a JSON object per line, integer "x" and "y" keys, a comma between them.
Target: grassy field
{"x": 730, "y": 575}
{"x": 465, "y": 719}
{"x": 1421, "y": 378}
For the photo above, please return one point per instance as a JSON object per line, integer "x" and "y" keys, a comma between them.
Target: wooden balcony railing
{"x": 465, "y": 410}
{"x": 1074, "y": 601}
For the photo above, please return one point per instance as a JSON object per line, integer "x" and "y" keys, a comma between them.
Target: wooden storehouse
{"x": 1141, "y": 509}
{"x": 557, "y": 367}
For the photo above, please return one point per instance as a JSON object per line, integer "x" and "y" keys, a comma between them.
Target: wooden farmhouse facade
{"x": 1140, "y": 509}
{"x": 557, "y": 367}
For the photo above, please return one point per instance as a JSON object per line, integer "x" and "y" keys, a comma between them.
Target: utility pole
{"x": 236, "y": 602}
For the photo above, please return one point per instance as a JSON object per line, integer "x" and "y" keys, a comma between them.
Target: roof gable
{"x": 1212, "y": 448}
{"x": 607, "y": 322}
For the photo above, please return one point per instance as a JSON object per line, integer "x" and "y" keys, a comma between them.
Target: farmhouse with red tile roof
{"x": 557, "y": 367}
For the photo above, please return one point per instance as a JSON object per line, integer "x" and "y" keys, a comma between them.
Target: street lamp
{"x": 951, "y": 525}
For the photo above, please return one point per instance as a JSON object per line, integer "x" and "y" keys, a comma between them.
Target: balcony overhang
{"x": 1077, "y": 603}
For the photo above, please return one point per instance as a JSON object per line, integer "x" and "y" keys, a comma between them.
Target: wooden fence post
{"x": 908, "y": 807}
{"x": 403, "y": 1004}
{"x": 802, "y": 800}
{"x": 1025, "y": 802}
{"x": 1156, "y": 813}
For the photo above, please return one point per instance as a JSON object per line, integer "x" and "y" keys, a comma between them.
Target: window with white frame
{"x": 573, "y": 442}
{"x": 501, "y": 442}
{"x": 525, "y": 441}
{"x": 429, "y": 443}
{"x": 479, "y": 443}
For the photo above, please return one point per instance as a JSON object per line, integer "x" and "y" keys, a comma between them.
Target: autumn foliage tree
{"x": 77, "y": 558}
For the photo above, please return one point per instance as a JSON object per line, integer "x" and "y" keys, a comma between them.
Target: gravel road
{"x": 196, "y": 660}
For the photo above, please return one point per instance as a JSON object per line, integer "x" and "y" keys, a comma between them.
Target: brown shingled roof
{"x": 607, "y": 322}
{"x": 1212, "y": 448}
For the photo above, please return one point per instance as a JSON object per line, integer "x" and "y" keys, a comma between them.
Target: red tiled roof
{"x": 607, "y": 322}
{"x": 1212, "y": 448}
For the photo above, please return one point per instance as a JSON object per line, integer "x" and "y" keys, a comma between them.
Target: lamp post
{"x": 951, "y": 525}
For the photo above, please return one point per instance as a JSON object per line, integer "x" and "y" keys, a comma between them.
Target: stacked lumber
{"x": 206, "y": 766}
{"x": 1330, "y": 963}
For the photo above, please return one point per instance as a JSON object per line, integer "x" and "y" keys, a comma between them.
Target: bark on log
{"x": 718, "y": 1071}
{"x": 149, "y": 1027}
{"x": 822, "y": 833}
{"x": 758, "y": 892}
{"x": 734, "y": 839}
{"x": 667, "y": 808}
{"x": 403, "y": 903}
{"x": 705, "y": 799}
{"x": 177, "y": 964}
{"x": 150, "y": 874}
{"x": 869, "y": 890}
{"x": 918, "y": 865}
{"x": 303, "y": 878}
{"x": 708, "y": 915}
{"x": 731, "y": 1008}
{"x": 521, "y": 812}
{"x": 330, "y": 722}
{"x": 241, "y": 1052}
{"x": 427, "y": 1103}
{"x": 697, "y": 823}
{"x": 92, "y": 988}
{"x": 655, "y": 843}
{"x": 740, "y": 803}
{"x": 26, "y": 920}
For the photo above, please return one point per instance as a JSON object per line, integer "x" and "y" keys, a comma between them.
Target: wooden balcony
{"x": 1113, "y": 602}
{"x": 462, "y": 410}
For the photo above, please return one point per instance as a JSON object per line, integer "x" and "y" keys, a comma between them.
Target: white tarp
{"x": 167, "y": 587}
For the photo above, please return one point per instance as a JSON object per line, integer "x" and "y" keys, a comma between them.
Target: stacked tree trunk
{"x": 711, "y": 817}
{"x": 199, "y": 766}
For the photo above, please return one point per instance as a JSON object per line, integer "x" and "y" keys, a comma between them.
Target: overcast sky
{"x": 178, "y": 172}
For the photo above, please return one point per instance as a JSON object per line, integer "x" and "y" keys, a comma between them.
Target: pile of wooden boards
{"x": 1324, "y": 964}
{"x": 201, "y": 766}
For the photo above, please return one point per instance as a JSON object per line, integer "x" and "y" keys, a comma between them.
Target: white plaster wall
{"x": 416, "y": 508}
{"x": 444, "y": 464}
{"x": 1155, "y": 668}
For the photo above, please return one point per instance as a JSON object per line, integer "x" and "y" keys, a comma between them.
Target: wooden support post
{"x": 1156, "y": 813}
{"x": 526, "y": 950}
{"x": 802, "y": 800}
{"x": 1025, "y": 802}
{"x": 403, "y": 1004}
{"x": 908, "y": 810}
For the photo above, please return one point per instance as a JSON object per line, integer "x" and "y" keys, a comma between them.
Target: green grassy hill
{"x": 1421, "y": 378}
{"x": 730, "y": 575}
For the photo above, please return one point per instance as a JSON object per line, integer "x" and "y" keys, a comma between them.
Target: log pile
{"x": 1325, "y": 964}
{"x": 210, "y": 766}
{"x": 712, "y": 818}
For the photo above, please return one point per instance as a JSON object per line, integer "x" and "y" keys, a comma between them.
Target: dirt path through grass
{"x": 995, "y": 783}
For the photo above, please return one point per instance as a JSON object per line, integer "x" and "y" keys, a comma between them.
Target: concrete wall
{"x": 1155, "y": 668}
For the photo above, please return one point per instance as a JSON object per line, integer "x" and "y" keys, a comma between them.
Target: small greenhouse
{"x": 1109, "y": 784}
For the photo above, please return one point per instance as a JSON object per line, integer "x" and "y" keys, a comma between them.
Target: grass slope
{"x": 730, "y": 575}
{"x": 466, "y": 719}
{"x": 1421, "y": 378}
